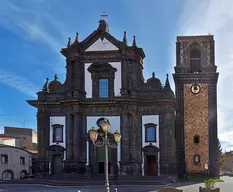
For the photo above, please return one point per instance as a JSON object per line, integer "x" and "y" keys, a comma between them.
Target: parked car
{"x": 27, "y": 176}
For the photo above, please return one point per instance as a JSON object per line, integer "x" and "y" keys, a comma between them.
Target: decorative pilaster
{"x": 95, "y": 86}
{"x": 126, "y": 121}
{"x": 135, "y": 149}
{"x": 43, "y": 127}
{"x": 68, "y": 163}
{"x": 111, "y": 87}
{"x": 134, "y": 138}
{"x": 167, "y": 143}
{"x": 125, "y": 137}
{"x": 124, "y": 78}
{"x": 79, "y": 142}
{"x": 69, "y": 137}
{"x": 179, "y": 129}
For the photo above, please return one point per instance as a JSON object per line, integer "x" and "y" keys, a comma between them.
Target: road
{"x": 44, "y": 188}
{"x": 225, "y": 186}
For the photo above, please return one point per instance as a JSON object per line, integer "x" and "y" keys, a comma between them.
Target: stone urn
{"x": 208, "y": 190}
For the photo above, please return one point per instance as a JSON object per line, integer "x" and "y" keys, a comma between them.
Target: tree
{"x": 221, "y": 155}
{"x": 221, "y": 161}
{"x": 219, "y": 149}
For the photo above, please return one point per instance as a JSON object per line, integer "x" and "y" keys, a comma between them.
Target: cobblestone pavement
{"x": 44, "y": 188}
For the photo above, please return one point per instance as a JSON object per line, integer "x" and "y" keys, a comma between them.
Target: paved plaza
{"x": 225, "y": 186}
{"x": 44, "y": 188}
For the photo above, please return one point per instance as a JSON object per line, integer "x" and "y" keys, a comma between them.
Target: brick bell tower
{"x": 196, "y": 93}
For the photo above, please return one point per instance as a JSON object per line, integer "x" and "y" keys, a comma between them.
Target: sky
{"x": 32, "y": 32}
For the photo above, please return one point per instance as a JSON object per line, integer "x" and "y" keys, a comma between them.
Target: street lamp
{"x": 102, "y": 137}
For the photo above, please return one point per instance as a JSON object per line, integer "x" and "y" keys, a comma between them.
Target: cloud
{"x": 20, "y": 83}
{"x": 29, "y": 20}
{"x": 43, "y": 28}
{"x": 215, "y": 17}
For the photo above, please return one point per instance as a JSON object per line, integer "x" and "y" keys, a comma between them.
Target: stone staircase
{"x": 76, "y": 180}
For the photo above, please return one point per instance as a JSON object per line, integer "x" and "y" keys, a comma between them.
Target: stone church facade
{"x": 104, "y": 78}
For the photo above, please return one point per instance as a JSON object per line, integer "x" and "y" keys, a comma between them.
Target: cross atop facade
{"x": 104, "y": 15}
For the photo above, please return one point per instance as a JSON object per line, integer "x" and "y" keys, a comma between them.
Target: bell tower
{"x": 196, "y": 93}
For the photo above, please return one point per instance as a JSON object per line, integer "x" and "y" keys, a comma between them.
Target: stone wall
{"x": 196, "y": 123}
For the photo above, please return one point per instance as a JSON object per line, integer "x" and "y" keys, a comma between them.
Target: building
{"x": 26, "y": 138}
{"x": 162, "y": 133}
{"x": 9, "y": 140}
{"x": 15, "y": 162}
{"x": 228, "y": 162}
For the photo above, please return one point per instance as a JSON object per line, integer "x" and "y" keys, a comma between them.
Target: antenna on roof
{"x": 24, "y": 123}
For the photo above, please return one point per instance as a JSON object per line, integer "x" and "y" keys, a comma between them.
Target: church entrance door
{"x": 57, "y": 164}
{"x": 100, "y": 155}
{"x": 101, "y": 167}
{"x": 152, "y": 165}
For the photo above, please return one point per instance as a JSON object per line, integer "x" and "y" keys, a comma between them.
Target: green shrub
{"x": 209, "y": 183}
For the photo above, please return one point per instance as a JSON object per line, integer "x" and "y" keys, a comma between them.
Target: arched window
{"x": 103, "y": 88}
{"x": 150, "y": 132}
{"x": 195, "y": 59}
{"x": 7, "y": 174}
{"x": 57, "y": 133}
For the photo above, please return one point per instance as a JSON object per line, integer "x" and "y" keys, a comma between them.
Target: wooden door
{"x": 152, "y": 165}
{"x": 57, "y": 164}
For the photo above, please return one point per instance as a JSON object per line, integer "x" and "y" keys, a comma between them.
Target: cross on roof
{"x": 104, "y": 15}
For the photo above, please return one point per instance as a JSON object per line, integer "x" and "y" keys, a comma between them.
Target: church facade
{"x": 161, "y": 133}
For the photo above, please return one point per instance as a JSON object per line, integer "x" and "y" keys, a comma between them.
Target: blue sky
{"x": 33, "y": 31}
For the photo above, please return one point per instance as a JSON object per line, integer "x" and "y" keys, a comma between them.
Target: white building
{"x": 15, "y": 162}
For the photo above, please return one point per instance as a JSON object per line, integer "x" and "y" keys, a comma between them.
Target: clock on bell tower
{"x": 196, "y": 93}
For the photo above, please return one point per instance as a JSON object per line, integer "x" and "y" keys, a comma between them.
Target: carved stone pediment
{"x": 150, "y": 149}
{"x": 101, "y": 66}
{"x": 56, "y": 148}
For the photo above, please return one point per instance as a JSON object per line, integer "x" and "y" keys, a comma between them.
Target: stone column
{"x": 79, "y": 142}
{"x": 43, "y": 131}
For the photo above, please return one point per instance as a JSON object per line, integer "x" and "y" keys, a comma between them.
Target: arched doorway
{"x": 56, "y": 159}
{"x": 150, "y": 160}
{"x": 57, "y": 164}
{"x": 7, "y": 175}
{"x": 23, "y": 173}
{"x": 100, "y": 160}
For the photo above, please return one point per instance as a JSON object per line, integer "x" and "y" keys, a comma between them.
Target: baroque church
{"x": 162, "y": 132}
